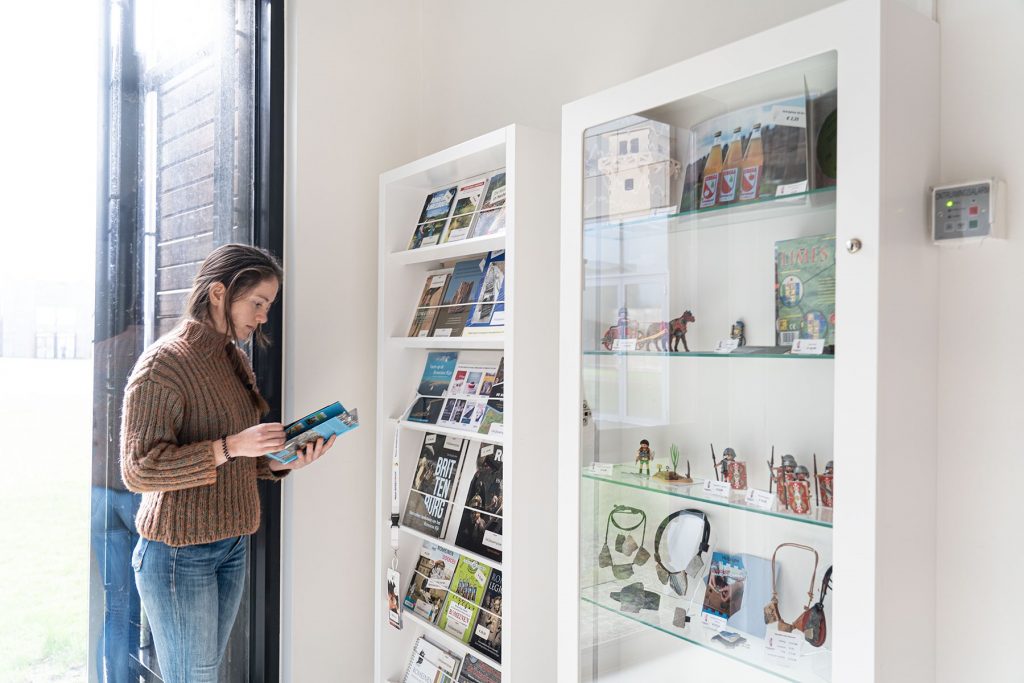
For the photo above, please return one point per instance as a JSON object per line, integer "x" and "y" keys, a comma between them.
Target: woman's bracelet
{"x": 224, "y": 447}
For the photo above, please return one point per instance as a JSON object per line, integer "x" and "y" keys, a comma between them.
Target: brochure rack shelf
{"x": 447, "y": 641}
{"x": 454, "y": 548}
{"x": 482, "y": 342}
{"x": 449, "y": 251}
{"x": 529, "y": 428}
{"x": 448, "y": 431}
{"x": 674, "y": 230}
{"x": 818, "y": 516}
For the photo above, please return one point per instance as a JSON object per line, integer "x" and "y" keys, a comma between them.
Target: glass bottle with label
{"x": 730, "y": 172}
{"x": 712, "y": 170}
{"x": 753, "y": 161}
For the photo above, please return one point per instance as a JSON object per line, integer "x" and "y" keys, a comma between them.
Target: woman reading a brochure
{"x": 193, "y": 445}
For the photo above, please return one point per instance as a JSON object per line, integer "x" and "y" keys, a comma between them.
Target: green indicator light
{"x": 949, "y": 202}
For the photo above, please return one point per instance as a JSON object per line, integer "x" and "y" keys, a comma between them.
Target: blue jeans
{"x": 113, "y": 536}
{"x": 191, "y": 595}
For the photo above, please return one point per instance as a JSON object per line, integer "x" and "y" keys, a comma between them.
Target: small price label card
{"x": 492, "y": 540}
{"x": 808, "y": 347}
{"x": 727, "y": 345}
{"x": 497, "y": 429}
{"x": 713, "y": 621}
{"x": 438, "y": 583}
{"x": 603, "y": 468}
{"x": 624, "y": 345}
{"x": 719, "y": 489}
{"x": 783, "y": 648}
{"x": 792, "y": 188}
{"x": 480, "y": 578}
{"x": 762, "y": 500}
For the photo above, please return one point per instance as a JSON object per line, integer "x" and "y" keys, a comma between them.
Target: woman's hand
{"x": 254, "y": 442}
{"x": 308, "y": 455}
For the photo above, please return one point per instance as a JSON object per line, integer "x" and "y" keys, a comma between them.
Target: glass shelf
{"x": 821, "y": 199}
{"x": 750, "y": 653}
{"x": 818, "y": 516}
{"x": 710, "y": 354}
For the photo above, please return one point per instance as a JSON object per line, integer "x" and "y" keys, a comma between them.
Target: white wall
{"x": 980, "y": 325}
{"x": 374, "y": 85}
{"x": 351, "y": 81}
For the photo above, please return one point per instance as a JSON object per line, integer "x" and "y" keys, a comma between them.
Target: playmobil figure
{"x": 783, "y": 474}
{"x": 800, "y": 473}
{"x": 826, "y": 486}
{"x": 672, "y": 475}
{"x": 624, "y": 328}
{"x": 734, "y": 471}
{"x": 798, "y": 495}
{"x": 677, "y": 328}
{"x": 738, "y": 331}
{"x": 644, "y": 456}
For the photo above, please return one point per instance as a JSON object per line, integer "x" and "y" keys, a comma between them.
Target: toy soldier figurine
{"x": 800, "y": 473}
{"x": 784, "y": 473}
{"x": 728, "y": 456}
{"x": 738, "y": 331}
{"x": 644, "y": 456}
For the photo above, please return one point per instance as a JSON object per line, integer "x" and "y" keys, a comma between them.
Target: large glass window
{"x": 109, "y": 210}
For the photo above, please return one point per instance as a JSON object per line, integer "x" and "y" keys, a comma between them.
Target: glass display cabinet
{"x": 727, "y": 238}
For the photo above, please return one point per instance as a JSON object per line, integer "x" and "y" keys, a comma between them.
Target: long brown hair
{"x": 239, "y": 267}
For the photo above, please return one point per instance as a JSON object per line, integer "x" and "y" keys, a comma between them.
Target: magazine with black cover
{"x": 487, "y": 632}
{"x": 475, "y": 670}
{"x": 467, "y": 202}
{"x": 437, "y": 375}
{"x": 494, "y": 414}
{"x": 429, "y": 505}
{"x": 430, "y": 299}
{"x": 488, "y": 313}
{"x": 458, "y": 297}
{"x": 428, "y": 586}
{"x": 480, "y": 529}
{"x": 429, "y": 663}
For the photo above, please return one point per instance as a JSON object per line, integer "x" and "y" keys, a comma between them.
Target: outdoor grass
{"x": 46, "y": 420}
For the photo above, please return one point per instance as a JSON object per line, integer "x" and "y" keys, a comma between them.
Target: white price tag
{"x": 783, "y": 115}
{"x": 480, "y": 578}
{"x": 441, "y": 584}
{"x": 785, "y": 190}
{"x": 783, "y": 648}
{"x": 497, "y": 429}
{"x": 713, "y": 621}
{"x": 720, "y": 489}
{"x": 603, "y": 468}
{"x": 453, "y": 443}
{"x": 808, "y": 347}
{"x": 727, "y": 345}
{"x": 443, "y": 332}
{"x": 492, "y": 540}
{"x": 624, "y": 345}
{"x": 761, "y": 500}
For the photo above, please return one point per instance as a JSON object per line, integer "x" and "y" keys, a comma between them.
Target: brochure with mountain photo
{"x": 429, "y": 505}
{"x": 433, "y": 218}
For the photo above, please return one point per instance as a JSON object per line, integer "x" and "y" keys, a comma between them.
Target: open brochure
{"x": 329, "y": 421}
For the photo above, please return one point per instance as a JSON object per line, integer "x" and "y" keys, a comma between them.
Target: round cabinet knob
{"x": 853, "y": 245}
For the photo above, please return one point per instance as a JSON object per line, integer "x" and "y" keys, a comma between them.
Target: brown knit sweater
{"x": 184, "y": 394}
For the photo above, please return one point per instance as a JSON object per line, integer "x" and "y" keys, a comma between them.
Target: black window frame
{"x": 119, "y": 249}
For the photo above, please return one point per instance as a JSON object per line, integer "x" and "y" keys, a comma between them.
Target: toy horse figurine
{"x": 677, "y": 328}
